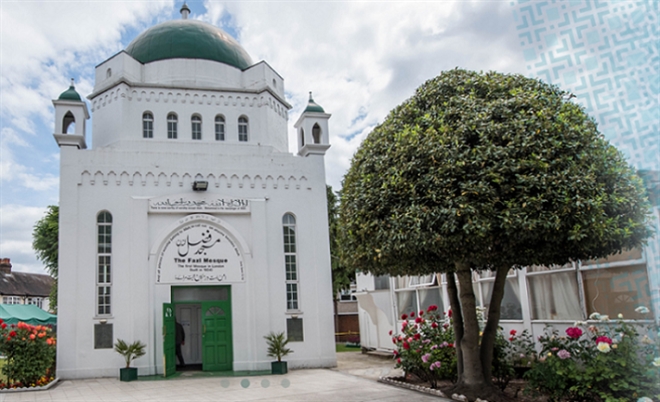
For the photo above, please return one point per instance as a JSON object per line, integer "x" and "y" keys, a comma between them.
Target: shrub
{"x": 610, "y": 363}
{"x": 30, "y": 354}
{"x": 425, "y": 347}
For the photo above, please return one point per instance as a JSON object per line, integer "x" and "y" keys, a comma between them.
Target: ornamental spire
{"x": 185, "y": 11}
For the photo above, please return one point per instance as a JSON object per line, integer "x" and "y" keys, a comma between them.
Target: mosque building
{"x": 189, "y": 207}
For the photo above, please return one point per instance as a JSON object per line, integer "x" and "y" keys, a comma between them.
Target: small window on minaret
{"x": 108, "y": 73}
{"x": 302, "y": 137}
{"x": 316, "y": 134}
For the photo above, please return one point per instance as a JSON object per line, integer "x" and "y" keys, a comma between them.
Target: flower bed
{"x": 30, "y": 355}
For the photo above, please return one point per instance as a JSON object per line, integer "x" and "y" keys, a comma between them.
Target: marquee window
{"x": 172, "y": 122}
{"x": 196, "y": 123}
{"x": 147, "y": 125}
{"x": 11, "y": 300}
{"x": 104, "y": 263}
{"x": 242, "y": 129}
{"x": 219, "y": 128}
{"x": 415, "y": 293}
{"x": 290, "y": 262}
{"x": 510, "y": 309}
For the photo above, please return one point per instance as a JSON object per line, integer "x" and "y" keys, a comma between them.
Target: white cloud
{"x": 361, "y": 59}
{"x": 16, "y": 224}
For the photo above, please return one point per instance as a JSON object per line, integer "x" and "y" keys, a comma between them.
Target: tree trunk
{"x": 472, "y": 370}
{"x": 490, "y": 331}
{"x": 457, "y": 320}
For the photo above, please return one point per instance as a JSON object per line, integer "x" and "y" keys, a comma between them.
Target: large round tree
{"x": 486, "y": 171}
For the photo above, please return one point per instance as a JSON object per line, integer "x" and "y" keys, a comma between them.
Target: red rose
{"x": 404, "y": 325}
{"x": 417, "y": 336}
{"x": 451, "y": 345}
{"x": 404, "y": 316}
{"x": 406, "y": 346}
{"x": 12, "y": 334}
{"x": 3, "y": 325}
{"x": 574, "y": 332}
{"x": 449, "y": 313}
{"x": 418, "y": 320}
{"x": 412, "y": 314}
{"x": 432, "y": 307}
{"x": 513, "y": 332}
{"x": 390, "y": 332}
{"x": 396, "y": 353}
{"x": 511, "y": 339}
{"x": 394, "y": 341}
{"x": 421, "y": 312}
{"x": 604, "y": 339}
{"x": 434, "y": 325}
{"x": 398, "y": 360}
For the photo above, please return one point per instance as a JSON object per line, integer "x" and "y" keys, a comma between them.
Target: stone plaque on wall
{"x": 103, "y": 336}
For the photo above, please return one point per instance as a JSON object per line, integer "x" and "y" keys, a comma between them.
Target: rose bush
{"x": 425, "y": 346}
{"x": 610, "y": 362}
{"x": 29, "y": 352}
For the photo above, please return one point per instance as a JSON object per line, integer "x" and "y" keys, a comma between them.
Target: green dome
{"x": 313, "y": 106}
{"x": 70, "y": 94}
{"x": 188, "y": 39}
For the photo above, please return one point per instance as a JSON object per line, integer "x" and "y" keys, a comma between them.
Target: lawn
{"x": 341, "y": 347}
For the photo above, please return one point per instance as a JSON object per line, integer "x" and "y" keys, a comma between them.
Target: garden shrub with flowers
{"x": 425, "y": 346}
{"x": 610, "y": 362}
{"x": 30, "y": 354}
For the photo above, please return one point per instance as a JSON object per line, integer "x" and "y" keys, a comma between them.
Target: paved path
{"x": 354, "y": 379}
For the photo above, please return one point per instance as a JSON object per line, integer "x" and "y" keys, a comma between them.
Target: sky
{"x": 360, "y": 59}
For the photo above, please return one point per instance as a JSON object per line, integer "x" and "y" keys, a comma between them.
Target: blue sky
{"x": 360, "y": 59}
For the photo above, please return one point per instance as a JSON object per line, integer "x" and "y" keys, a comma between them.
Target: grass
{"x": 341, "y": 347}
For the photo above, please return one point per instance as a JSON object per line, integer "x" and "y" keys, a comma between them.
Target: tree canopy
{"x": 341, "y": 275}
{"x": 489, "y": 169}
{"x": 45, "y": 242}
{"x": 486, "y": 171}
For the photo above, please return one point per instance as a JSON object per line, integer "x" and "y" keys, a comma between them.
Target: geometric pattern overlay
{"x": 607, "y": 53}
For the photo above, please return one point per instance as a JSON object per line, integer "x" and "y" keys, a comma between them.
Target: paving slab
{"x": 353, "y": 380}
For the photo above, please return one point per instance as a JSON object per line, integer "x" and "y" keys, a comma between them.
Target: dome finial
{"x": 185, "y": 11}
{"x": 72, "y": 81}
{"x": 310, "y": 97}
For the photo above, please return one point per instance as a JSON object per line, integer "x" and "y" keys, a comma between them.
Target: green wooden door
{"x": 216, "y": 336}
{"x": 169, "y": 340}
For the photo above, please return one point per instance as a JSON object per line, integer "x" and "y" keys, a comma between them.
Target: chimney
{"x": 5, "y": 265}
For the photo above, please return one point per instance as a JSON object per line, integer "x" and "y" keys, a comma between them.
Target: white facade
{"x": 166, "y": 240}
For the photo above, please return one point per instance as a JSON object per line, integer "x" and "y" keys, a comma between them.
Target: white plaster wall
{"x": 120, "y": 181}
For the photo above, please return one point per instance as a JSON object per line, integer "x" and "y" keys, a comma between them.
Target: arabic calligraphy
{"x": 206, "y": 243}
{"x": 202, "y": 252}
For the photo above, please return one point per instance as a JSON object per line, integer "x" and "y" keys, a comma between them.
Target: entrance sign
{"x": 201, "y": 252}
{"x": 199, "y": 203}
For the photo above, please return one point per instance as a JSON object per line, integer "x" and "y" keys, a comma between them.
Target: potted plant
{"x": 277, "y": 348}
{"x": 129, "y": 352}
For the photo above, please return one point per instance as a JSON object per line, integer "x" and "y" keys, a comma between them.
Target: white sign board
{"x": 201, "y": 202}
{"x": 200, "y": 252}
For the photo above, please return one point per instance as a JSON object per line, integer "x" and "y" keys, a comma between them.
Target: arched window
{"x": 196, "y": 123}
{"x": 316, "y": 133}
{"x": 147, "y": 125}
{"x": 104, "y": 263}
{"x": 219, "y": 128}
{"x": 172, "y": 126}
{"x": 302, "y": 137}
{"x": 290, "y": 262}
{"x": 68, "y": 123}
{"x": 242, "y": 129}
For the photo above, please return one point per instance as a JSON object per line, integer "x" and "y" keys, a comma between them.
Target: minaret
{"x": 70, "y": 110}
{"x": 312, "y": 130}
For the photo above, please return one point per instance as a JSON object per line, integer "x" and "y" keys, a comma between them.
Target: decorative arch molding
{"x": 199, "y": 248}
{"x": 159, "y": 178}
